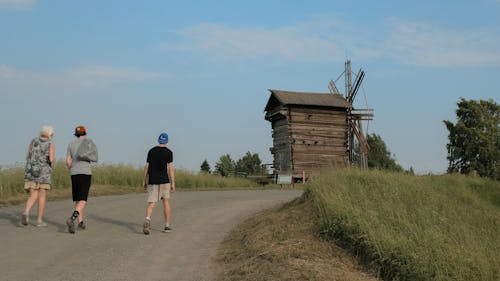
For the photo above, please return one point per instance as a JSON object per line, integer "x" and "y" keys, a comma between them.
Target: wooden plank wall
{"x": 318, "y": 138}
{"x": 281, "y": 146}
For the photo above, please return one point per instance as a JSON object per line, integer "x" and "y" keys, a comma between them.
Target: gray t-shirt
{"x": 77, "y": 167}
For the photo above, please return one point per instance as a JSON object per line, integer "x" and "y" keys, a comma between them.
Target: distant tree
{"x": 379, "y": 156}
{"x": 474, "y": 141}
{"x": 250, "y": 164}
{"x": 205, "y": 167}
{"x": 225, "y": 166}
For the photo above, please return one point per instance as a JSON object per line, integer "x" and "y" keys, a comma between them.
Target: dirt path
{"x": 114, "y": 248}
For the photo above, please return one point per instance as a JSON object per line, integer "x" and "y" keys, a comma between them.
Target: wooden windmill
{"x": 354, "y": 115}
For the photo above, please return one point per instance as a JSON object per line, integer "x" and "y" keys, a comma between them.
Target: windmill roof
{"x": 305, "y": 98}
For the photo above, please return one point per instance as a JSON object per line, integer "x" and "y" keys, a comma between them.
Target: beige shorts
{"x": 158, "y": 191}
{"x": 36, "y": 185}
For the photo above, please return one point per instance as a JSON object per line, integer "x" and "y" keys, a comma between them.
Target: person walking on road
{"x": 81, "y": 177}
{"x": 38, "y": 172}
{"x": 159, "y": 181}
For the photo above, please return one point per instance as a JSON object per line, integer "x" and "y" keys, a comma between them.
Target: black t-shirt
{"x": 158, "y": 159}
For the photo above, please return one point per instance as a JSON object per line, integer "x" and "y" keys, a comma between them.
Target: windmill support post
{"x": 355, "y": 116}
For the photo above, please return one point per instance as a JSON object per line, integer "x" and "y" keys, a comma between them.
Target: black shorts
{"x": 80, "y": 185}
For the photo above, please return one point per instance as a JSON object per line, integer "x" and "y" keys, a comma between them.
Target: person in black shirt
{"x": 159, "y": 181}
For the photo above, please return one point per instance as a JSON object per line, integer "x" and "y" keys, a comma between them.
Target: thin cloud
{"x": 17, "y": 3}
{"x": 424, "y": 44}
{"x": 93, "y": 75}
{"x": 287, "y": 43}
{"x": 72, "y": 80}
{"x": 404, "y": 42}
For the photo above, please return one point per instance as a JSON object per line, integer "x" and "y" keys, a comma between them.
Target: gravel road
{"x": 113, "y": 246}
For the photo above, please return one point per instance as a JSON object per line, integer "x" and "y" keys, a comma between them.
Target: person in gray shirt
{"x": 81, "y": 177}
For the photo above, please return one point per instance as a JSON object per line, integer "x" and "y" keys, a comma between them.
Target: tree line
{"x": 248, "y": 165}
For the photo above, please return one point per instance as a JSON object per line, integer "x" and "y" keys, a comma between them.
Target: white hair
{"x": 47, "y": 131}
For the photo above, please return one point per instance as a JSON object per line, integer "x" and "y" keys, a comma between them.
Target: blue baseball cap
{"x": 163, "y": 138}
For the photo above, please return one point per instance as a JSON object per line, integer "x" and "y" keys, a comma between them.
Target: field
{"x": 110, "y": 179}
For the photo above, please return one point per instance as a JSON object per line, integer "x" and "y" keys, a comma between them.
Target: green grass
{"x": 110, "y": 179}
{"x": 279, "y": 244}
{"x": 413, "y": 227}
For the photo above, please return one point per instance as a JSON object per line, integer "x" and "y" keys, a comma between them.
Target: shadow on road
{"x": 135, "y": 228}
{"x": 13, "y": 218}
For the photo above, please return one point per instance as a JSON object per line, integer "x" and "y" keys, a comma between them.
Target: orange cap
{"x": 80, "y": 131}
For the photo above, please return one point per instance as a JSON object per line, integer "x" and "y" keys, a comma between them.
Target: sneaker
{"x": 24, "y": 219}
{"x": 41, "y": 224}
{"x": 82, "y": 225}
{"x": 167, "y": 229}
{"x": 71, "y": 225}
{"x": 146, "y": 226}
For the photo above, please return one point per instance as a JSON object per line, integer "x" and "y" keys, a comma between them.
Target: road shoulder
{"x": 279, "y": 244}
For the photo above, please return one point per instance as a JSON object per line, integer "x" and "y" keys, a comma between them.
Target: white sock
{"x": 148, "y": 218}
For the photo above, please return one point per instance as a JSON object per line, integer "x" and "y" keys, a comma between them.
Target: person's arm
{"x": 51, "y": 154}
{"x": 171, "y": 172}
{"x": 29, "y": 151}
{"x": 69, "y": 160}
{"x": 145, "y": 176}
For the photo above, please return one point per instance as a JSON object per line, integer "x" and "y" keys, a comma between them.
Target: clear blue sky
{"x": 201, "y": 71}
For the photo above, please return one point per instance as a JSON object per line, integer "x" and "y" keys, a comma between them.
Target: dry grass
{"x": 58, "y": 193}
{"x": 108, "y": 179}
{"x": 279, "y": 244}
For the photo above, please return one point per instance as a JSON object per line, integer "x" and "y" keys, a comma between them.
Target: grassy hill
{"x": 401, "y": 227}
{"x": 280, "y": 244}
{"x": 413, "y": 227}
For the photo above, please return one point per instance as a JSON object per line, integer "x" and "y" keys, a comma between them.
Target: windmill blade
{"x": 357, "y": 84}
{"x": 361, "y": 139}
{"x": 333, "y": 88}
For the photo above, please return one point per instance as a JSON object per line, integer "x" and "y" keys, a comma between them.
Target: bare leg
{"x": 31, "y": 200}
{"x": 147, "y": 222}
{"x": 42, "y": 198}
{"x": 166, "y": 211}
{"x": 149, "y": 209}
{"x": 79, "y": 205}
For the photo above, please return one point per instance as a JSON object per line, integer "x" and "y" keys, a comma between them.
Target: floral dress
{"x": 38, "y": 168}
